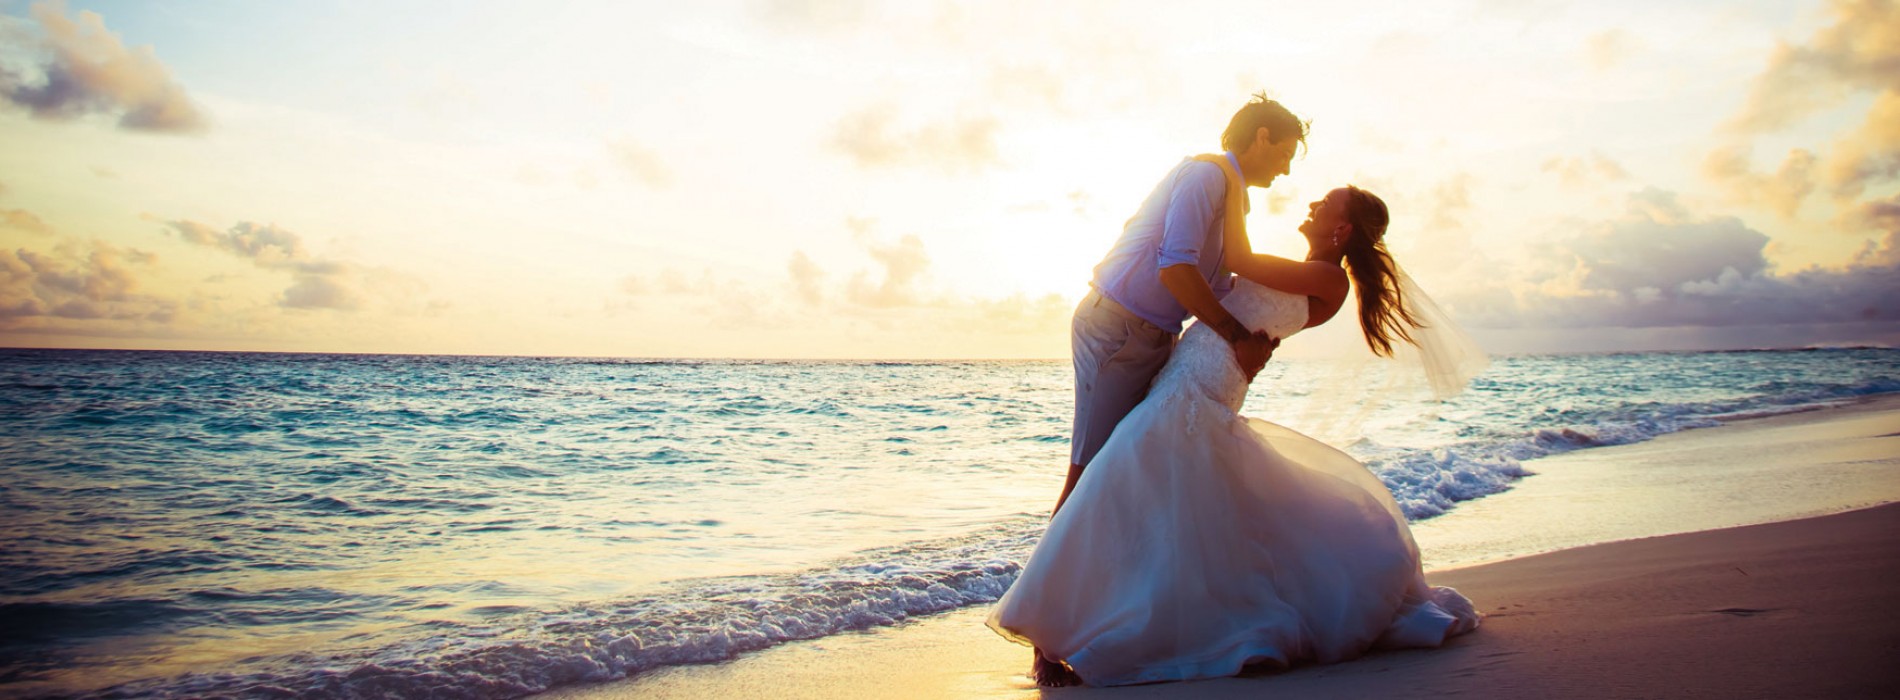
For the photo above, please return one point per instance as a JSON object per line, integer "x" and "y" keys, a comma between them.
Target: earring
{"x": 1335, "y": 240}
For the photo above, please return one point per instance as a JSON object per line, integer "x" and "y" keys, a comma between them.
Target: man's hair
{"x": 1262, "y": 111}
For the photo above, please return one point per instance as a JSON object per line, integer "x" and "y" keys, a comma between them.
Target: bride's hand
{"x": 1253, "y": 351}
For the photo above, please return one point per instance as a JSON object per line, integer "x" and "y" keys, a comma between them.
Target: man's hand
{"x": 1251, "y": 349}
{"x": 1252, "y": 352}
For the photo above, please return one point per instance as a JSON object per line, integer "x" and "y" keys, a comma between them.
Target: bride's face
{"x": 1326, "y": 219}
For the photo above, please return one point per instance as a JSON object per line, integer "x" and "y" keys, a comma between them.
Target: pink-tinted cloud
{"x": 85, "y": 69}
{"x": 1661, "y": 265}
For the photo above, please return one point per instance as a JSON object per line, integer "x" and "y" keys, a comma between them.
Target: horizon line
{"x": 906, "y": 360}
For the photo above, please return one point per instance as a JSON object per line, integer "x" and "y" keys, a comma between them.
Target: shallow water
{"x": 485, "y": 527}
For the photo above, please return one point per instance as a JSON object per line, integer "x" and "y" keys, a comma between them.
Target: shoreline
{"x": 1600, "y": 533}
{"x": 1814, "y": 461}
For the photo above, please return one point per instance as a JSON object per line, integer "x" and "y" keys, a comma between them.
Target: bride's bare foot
{"x": 1050, "y": 673}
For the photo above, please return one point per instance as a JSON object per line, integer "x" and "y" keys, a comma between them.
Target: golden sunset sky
{"x": 793, "y": 179}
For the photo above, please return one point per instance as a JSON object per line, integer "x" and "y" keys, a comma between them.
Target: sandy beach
{"x": 1777, "y": 582}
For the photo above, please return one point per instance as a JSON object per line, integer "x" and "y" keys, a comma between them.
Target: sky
{"x": 921, "y": 180}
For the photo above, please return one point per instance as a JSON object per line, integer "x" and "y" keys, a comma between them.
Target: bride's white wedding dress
{"x": 1199, "y": 540}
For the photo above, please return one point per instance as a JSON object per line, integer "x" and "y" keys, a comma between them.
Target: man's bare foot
{"x": 1050, "y": 673}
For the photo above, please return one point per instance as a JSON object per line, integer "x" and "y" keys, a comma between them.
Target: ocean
{"x": 184, "y": 524}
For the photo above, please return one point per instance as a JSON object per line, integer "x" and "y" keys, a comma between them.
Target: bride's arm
{"x": 1314, "y": 279}
{"x": 1321, "y": 309}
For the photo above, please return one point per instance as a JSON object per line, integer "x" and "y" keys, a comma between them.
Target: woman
{"x": 1200, "y": 541}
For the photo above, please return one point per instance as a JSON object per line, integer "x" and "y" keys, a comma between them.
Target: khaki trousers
{"x": 1117, "y": 355}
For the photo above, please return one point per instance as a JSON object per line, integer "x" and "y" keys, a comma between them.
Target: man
{"x": 1168, "y": 265}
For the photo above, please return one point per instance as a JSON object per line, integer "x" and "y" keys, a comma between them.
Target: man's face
{"x": 1275, "y": 159}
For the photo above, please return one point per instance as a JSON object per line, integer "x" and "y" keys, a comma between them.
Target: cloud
{"x": 673, "y": 281}
{"x": 1580, "y": 172}
{"x": 1434, "y": 231}
{"x": 1280, "y": 200}
{"x": 1858, "y": 54}
{"x": 1450, "y": 200}
{"x": 871, "y": 138}
{"x": 1017, "y": 313}
{"x": 76, "y": 281}
{"x": 1028, "y": 84}
{"x": 632, "y": 289}
{"x": 643, "y": 163}
{"x": 316, "y": 283}
{"x": 1859, "y": 51}
{"x": 811, "y": 15}
{"x": 1377, "y": 140}
{"x": 807, "y": 278}
{"x": 1029, "y": 207}
{"x": 1869, "y": 155}
{"x": 1881, "y": 216}
{"x": 1660, "y": 265}
{"x": 23, "y": 221}
{"x": 311, "y": 291}
{"x": 1648, "y": 250}
{"x": 894, "y": 283}
{"x": 904, "y": 263}
{"x": 1606, "y": 49}
{"x": 84, "y": 69}
{"x": 1785, "y": 190}
{"x": 266, "y": 245}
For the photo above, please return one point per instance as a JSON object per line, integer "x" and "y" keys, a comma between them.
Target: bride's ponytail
{"x": 1383, "y": 314}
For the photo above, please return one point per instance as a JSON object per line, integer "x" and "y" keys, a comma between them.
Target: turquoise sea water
{"x": 185, "y": 524}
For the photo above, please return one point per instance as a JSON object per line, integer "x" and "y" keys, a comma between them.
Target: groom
{"x": 1168, "y": 266}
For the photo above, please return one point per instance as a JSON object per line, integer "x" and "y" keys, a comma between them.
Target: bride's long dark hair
{"x": 1383, "y": 316}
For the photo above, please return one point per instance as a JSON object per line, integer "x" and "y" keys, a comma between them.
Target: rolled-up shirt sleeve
{"x": 1191, "y": 206}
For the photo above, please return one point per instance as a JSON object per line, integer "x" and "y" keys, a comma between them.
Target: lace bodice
{"x": 1203, "y": 362}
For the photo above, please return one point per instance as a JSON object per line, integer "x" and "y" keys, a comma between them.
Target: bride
{"x": 1199, "y": 540}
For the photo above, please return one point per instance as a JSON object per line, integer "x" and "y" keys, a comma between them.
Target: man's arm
{"x": 1274, "y": 272}
{"x": 1190, "y": 205}
{"x": 1251, "y": 349}
{"x": 1185, "y": 283}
